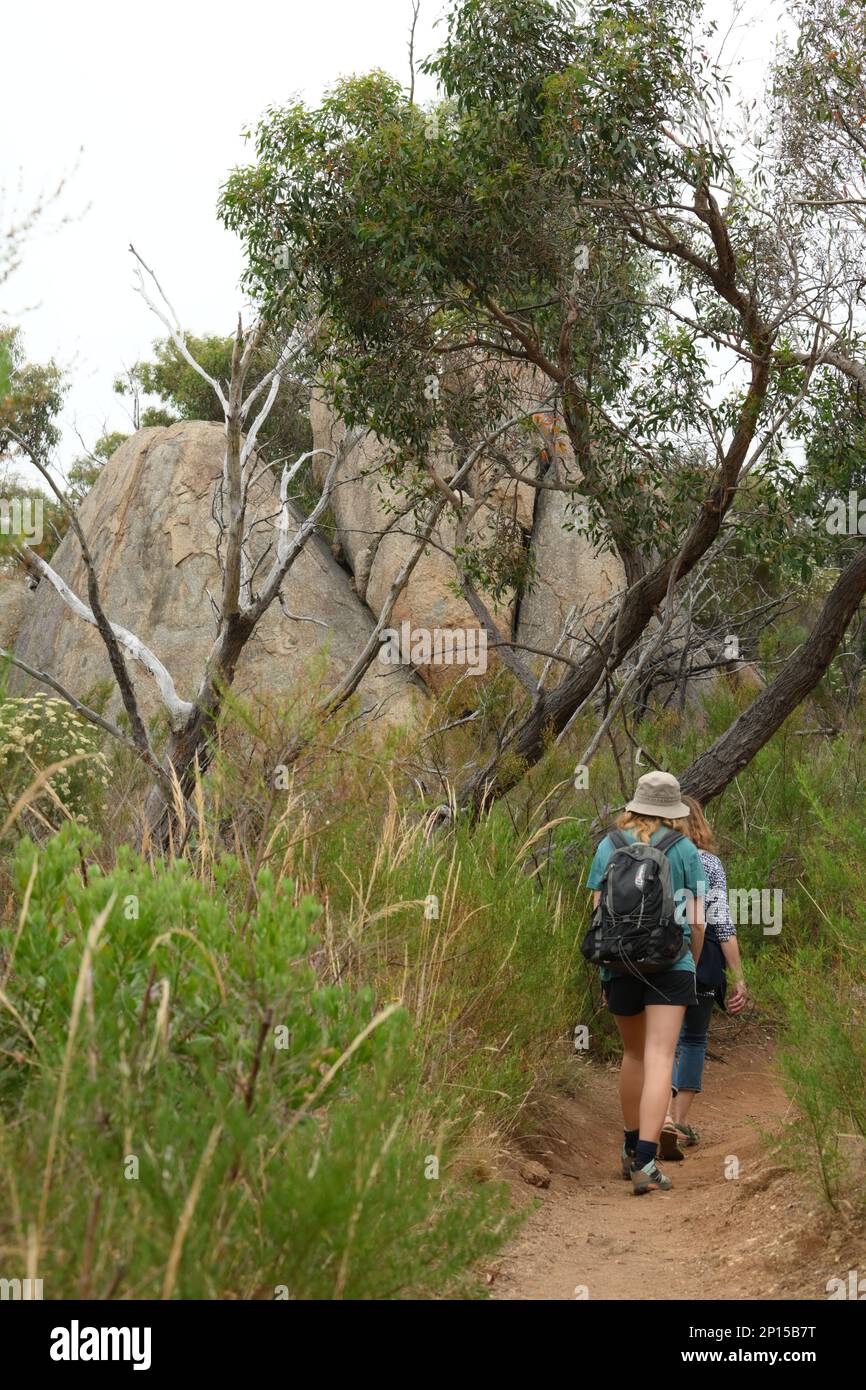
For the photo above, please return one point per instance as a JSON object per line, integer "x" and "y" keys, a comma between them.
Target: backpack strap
{"x": 617, "y": 839}
{"x": 668, "y": 841}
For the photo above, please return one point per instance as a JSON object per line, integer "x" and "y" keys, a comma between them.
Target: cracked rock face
{"x": 571, "y": 576}
{"x": 14, "y": 594}
{"x": 377, "y": 536}
{"x": 429, "y": 600}
{"x": 149, "y": 521}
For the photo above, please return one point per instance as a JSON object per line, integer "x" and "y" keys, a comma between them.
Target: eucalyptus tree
{"x": 576, "y": 202}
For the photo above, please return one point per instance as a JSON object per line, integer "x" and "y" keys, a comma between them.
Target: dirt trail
{"x": 762, "y": 1235}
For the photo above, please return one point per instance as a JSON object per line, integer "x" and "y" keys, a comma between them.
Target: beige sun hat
{"x": 658, "y": 794}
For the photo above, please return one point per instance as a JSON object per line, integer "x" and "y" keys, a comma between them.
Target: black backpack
{"x": 634, "y": 928}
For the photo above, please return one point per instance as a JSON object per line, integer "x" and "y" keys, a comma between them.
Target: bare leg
{"x": 663, "y": 1024}
{"x": 632, "y": 1030}
{"x": 682, "y": 1105}
{"x": 671, "y": 1112}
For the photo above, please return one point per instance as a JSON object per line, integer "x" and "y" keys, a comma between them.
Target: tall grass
{"x": 192, "y": 1110}
{"x": 284, "y": 1060}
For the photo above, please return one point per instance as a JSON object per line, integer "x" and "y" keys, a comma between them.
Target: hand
{"x": 738, "y": 998}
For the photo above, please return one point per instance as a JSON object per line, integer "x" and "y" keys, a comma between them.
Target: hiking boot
{"x": 627, "y": 1161}
{"x": 649, "y": 1179}
{"x": 669, "y": 1146}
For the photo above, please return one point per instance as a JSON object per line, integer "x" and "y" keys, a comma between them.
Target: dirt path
{"x": 761, "y": 1235}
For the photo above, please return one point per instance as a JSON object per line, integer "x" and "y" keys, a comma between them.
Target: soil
{"x": 738, "y": 1223}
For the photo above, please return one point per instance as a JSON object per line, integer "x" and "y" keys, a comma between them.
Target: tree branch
{"x": 178, "y": 710}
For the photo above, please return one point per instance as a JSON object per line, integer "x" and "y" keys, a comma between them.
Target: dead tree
{"x": 243, "y": 602}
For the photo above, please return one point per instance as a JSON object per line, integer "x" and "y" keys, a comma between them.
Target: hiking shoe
{"x": 669, "y": 1146}
{"x": 690, "y": 1137}
{"x": 649, "y": 1179}
{"x": 627, "y": 1161}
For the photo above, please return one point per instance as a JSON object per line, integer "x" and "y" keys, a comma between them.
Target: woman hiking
{"x": 646, "y": 936}
{"x": 720, "y": 954}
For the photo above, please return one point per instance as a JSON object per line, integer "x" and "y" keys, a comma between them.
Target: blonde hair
{"x": 699, "y": 831}
{"x": 645, "y": 826}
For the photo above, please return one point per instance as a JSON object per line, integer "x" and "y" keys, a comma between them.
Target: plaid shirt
{"x": 716, "y": 913}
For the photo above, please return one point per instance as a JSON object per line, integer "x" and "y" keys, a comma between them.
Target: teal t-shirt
{"x": 687, "y": 872}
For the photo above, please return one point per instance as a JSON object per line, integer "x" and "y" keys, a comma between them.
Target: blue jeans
{"x": 692, "y": 1045}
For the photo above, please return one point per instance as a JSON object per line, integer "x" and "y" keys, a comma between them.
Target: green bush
{"x": 818, "y": 984}
{"x": 189, "y": 1111}
{"x": 38, "y": 732}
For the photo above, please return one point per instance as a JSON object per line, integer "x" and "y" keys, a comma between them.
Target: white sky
{"x": 144, "y": 107}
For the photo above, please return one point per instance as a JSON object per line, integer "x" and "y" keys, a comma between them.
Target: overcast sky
{"x": 143, "y": 107}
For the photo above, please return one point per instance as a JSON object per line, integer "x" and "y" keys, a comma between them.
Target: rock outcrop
{"x": 14, "y": 594}
{"x": 573, "y": 580}
{"x": 149, "y": 520}
{"x": 570, "y": 573}
{"x": 429, "y": 601}
{"x": 376, "y": 535}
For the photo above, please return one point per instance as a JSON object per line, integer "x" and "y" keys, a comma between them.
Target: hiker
{"x": 721, "y": 953}
{"x": 646, "y": 935}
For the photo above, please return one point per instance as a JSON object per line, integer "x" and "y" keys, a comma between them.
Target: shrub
{"x": 189, "y": 1110}
{"x": 38, "y": 732}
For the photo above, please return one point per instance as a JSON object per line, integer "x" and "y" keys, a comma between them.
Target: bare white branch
{"x": 252, "y": 434}
{"x": 90, "y": 715}
{"x": 173, "y": 327}
{"x": 289, "y": 550}
{"x": 178, "y": 710}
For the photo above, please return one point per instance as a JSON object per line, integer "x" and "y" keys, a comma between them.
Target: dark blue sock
{"x": 631, "y": 1138}
{"x": 644, "y": 1153}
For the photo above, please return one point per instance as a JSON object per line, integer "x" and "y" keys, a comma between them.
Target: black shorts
{"x": 628, "y": 995}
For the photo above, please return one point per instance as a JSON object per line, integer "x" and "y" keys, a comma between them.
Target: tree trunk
{"x": 711, "y": 772}
{"x": 191, "y": 745}
{"x": 552, "y": 710}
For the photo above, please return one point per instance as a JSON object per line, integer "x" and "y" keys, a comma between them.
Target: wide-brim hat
{"x": 658, "y": 794}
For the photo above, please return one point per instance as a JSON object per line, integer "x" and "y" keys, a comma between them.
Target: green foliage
{"x": 38, "y": 732}
{"x": 31, "y": 500}
{"x": 186, "y": 396}
{"x": 503, "y": 984}
{"x": 31, "y": 397}
{"x": 818, "y": 985}
{"x": 834, "y": 425}
{"x": 505, "y": 45}
{"x": 447, "y": 220}
{"x": 820, "y": 98}
{"x": 82, "y": 474}
{"x": 171, "y": 378}
{"x": 214, "y": 1040}
{"x": 440, "y": 246}
{"x": 211, "y": 1061}
{"x": 6, "y": 370}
